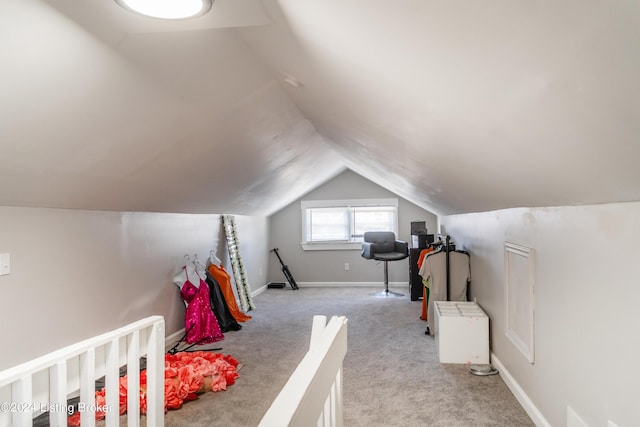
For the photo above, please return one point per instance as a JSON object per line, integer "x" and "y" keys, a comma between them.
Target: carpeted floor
{"x": 392, "y": 376}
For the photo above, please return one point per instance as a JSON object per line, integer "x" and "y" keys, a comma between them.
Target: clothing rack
{"x": 447, "y": 246}
{"x": 448, "y": 268}
{"x": 448, "y": 241}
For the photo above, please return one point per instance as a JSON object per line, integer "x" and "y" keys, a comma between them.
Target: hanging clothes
{"x": 200, "y": 323}
{"x": 224, "y": 280}
{"x": 425, "y": 283}
{"x": 220, "y": 308}
{"x": 434, "y": 270}
{"x": 423, "y": 254}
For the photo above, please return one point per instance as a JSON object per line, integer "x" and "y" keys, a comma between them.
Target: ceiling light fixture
{"x": 167, "y": 9}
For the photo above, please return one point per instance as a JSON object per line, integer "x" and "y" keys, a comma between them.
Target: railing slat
{"x": 58, "y": 394}
{"x": 87, "y": 388}
{"x": 155, "y": 376}
{"x": 112, "y": 382}
{"x": 339, "y": 408}
{"x": 133, "y": 379}
{"x": 22, "y": 396}
{"x": 326, "y": 412}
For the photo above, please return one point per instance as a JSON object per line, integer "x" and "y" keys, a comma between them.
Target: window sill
{"x": 331, "y": 246}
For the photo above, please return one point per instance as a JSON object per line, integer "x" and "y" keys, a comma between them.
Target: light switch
{"x": 5, "y": 264}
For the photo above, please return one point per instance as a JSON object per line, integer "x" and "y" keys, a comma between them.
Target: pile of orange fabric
{"x": 186, "y": 374}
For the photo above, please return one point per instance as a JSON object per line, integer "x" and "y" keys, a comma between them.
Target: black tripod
{"x": 286, "y": 271}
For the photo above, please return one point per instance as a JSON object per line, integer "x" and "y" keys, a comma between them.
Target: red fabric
{"x": 423, "y": 254}
{"x": 199, "y": 321}
{"x": 424, "y": 304}
{"x": 185, "y": 375}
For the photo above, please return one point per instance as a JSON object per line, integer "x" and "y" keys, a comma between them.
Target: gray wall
{"x": 327, "y": 267}
{"x": 75, "y": 273}
{"x": 586, "y": 305}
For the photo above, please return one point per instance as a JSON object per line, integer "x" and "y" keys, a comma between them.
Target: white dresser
{"x": 461, "y": 332}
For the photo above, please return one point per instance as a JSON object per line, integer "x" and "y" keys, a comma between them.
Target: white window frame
{"x": 342, "y": 203}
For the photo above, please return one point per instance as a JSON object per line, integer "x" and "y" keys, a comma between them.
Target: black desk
{"x": 415, "y": 281}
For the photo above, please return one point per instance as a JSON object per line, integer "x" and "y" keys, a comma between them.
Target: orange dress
{"x": 223, "y": 278}
{"x": 424, "y": 253}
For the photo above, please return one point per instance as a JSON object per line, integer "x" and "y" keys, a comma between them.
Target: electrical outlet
{"x": 347, "y": 267}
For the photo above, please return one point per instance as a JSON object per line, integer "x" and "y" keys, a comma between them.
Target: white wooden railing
{"x": 46, "y": 383}
{"x": 313, "y": 394}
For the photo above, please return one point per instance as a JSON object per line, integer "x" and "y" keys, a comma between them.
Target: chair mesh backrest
{"x": 384, "y": 241}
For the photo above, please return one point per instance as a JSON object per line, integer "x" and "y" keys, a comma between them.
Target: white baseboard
{"x": 172, "y": 339}
{"x": 573, "y": 419}
{"x": 531, "y": 409}
{"x": 351, "y": 284}
{"x": 258, "y": 291}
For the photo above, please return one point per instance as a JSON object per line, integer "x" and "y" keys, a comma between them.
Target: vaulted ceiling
{"x": 458, "y": 106}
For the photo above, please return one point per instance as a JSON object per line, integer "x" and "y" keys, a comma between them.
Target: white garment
{"x": 187, "y": 272}
{"x": 434, "y": 269}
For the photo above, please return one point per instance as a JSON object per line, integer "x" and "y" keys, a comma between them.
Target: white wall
{"x": 75, "y": 273}
{"x": 587, "y": 297}
{"x": 320, "y": 267}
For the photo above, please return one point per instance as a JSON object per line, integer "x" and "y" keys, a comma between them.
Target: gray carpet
{"x": 392, "y": 376}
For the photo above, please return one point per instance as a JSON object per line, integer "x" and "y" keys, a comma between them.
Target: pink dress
{"x": 199, "y": 321}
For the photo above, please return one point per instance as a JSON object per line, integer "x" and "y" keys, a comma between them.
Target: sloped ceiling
{"x": 458, "y": 106}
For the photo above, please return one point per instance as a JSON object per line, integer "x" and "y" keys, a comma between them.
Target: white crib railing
{"x": 46, "y": 383}
{"x": 313, "y": 394}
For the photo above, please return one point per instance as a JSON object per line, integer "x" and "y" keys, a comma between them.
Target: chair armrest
{"x": 367, "y": 250}
{"x": 402, "y": 247}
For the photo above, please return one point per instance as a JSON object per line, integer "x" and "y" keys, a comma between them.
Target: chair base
{"x": 386, "y": 293}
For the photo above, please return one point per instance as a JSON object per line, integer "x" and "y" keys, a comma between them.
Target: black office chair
{"x": 383, "y": 246}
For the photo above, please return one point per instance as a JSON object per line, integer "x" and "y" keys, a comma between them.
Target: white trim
{"x": 531, "y": 409}
{"x": 258, "y": 291}
{"x": 521, "y": 332}
{"x": 573, "y": 419}
{"x": 331, "y": 246}
{"x": 350, "y": 284}
{"x": 338, "y": 203}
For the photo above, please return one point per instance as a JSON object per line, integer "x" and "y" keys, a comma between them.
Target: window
{"x": 341, "y": 224}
